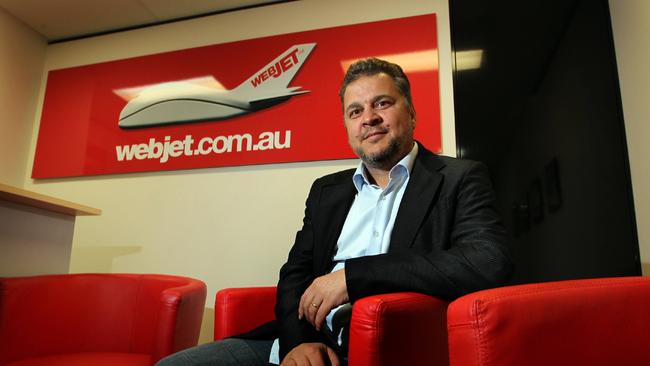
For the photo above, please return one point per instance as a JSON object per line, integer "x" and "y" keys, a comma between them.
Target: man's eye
{"x": 383, "y": 103}
{"x": 354, "y": 113}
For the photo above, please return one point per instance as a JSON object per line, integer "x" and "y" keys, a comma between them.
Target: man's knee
{"x": 178, "y": 359}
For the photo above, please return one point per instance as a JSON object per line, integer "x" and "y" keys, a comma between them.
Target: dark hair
{"x": 373, "y": 66}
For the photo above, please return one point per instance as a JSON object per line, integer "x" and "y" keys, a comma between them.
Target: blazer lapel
{"x": 419, "y": 196}
{"x": 336, "y": 201}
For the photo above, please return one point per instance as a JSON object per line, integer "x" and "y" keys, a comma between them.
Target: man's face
{"x": 378, "y": 121}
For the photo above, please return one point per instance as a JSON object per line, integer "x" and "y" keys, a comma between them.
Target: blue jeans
{"x": 228, "y": 352}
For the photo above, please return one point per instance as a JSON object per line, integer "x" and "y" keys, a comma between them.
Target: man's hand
{"x": 311, "y": 354}
{"x": 323, "y": 295}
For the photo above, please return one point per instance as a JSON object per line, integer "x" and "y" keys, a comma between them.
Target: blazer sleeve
{"x": 295, "y": 276}
{"x": 460, "y": 246}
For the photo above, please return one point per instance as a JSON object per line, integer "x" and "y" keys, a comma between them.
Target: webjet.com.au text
{"x": 164, "y": 150}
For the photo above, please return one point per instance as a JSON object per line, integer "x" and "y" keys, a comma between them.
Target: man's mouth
{"x": 374, "y": 132}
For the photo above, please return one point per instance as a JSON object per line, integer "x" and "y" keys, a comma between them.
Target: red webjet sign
{"x": 260, "y": 101}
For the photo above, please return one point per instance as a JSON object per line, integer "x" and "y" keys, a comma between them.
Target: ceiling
{"x": 59, "y": 20}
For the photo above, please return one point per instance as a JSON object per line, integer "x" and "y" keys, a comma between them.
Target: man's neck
{"x": 378, "y": 176}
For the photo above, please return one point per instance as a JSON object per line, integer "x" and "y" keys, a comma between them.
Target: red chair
{"x": 390, "y": 329}
{"x": 97, "y": 319}
{"x": 595, "y": 322}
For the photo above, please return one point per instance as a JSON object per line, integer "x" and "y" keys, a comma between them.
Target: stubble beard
{"x": 382, "y": 159}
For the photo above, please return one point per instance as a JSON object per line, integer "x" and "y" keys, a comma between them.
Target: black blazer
{"x": 447, "y": 241}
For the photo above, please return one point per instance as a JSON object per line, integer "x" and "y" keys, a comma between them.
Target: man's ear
{"x": 413, "y": 120}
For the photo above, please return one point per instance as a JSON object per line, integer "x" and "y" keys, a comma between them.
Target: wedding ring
{"x": 314, "y": 305}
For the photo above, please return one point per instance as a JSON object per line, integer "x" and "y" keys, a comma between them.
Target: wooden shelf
{"x": 29, "y": 198}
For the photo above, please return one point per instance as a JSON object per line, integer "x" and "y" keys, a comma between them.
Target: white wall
{"x": 632, "y": 42}
{"x": 226, "y": 226}
{"x": 23, "y": 53}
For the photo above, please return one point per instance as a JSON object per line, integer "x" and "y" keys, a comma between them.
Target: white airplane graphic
{"x": 203, "y": 98}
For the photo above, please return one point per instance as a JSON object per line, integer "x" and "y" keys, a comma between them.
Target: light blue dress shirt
{"x": 369, "y": 224}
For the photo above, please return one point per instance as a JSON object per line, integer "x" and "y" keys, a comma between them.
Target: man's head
{"x": 378, "y": 112}
{"x": 373, "y": 66}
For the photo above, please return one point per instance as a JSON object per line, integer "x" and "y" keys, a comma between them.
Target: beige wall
{"x": 632, "y": 42}
{"x": 33, "y": 241}
{"x": 23, "y": 52}
{"x": 227, "y": 226}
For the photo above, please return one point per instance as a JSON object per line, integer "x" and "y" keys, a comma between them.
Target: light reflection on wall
{"x": 426, "y": 60}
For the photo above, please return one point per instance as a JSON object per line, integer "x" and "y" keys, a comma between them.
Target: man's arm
{"x": 324, "y": 294}
{"x": 295, "y": 276}
{"x": 474, "y": 257}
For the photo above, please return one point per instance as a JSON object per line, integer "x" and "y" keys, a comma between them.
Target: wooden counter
{"x": 36, "y": 232}
{"x": 33, "y": 199}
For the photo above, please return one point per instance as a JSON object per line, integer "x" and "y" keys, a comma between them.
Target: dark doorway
{"x": 543, "y": 111}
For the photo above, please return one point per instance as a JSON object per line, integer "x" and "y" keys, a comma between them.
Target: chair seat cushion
{"x": 87, "y": 359}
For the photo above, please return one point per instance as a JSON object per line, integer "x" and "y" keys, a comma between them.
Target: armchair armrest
{"x": 398, "y": 329}
{"x": 181, "y": 313}
{"x": 239, "y": 310}
{"x": 388, "y": 329}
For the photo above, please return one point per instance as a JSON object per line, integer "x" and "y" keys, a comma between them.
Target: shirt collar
{"x": 403, "y": 167}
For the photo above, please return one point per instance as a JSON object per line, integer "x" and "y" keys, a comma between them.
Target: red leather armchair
{"x": 97, "y": 319}
{"x": 595, "y": 322}
{"x": 390, "y": 329}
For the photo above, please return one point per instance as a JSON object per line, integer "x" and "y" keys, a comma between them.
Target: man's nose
{"x": 371, "y": 118}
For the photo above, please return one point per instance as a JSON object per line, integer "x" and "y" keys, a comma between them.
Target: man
{"x": 404, "y": 220}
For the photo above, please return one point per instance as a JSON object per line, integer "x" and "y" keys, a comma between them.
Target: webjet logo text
{"x": 164, "y": 150}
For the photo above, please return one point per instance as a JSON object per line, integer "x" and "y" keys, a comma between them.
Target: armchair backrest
{"x": 582, "y": 322}
{"x": 55, "y": 314}
{"x": 238, "y": 310}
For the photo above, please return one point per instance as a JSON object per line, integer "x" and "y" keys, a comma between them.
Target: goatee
{"x": 381, "y": 158}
